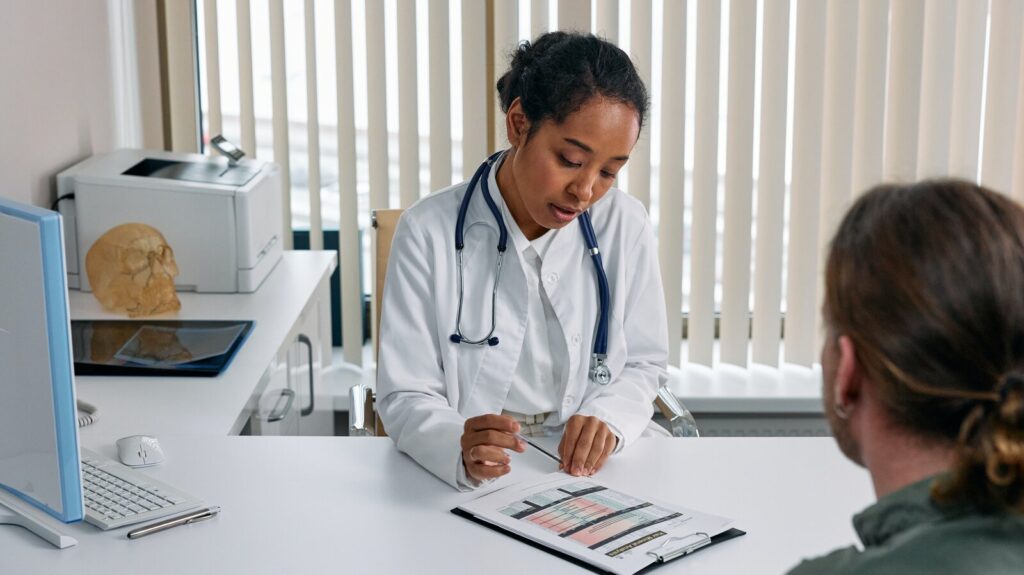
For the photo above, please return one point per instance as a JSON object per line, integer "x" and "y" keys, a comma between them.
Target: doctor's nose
{"x": 583, "y": 189}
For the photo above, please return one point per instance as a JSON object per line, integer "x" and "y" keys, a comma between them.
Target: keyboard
{"x": 116, "y": 495}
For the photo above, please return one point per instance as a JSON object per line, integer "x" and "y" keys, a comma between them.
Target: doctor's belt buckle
{"x": 600, "y": 373}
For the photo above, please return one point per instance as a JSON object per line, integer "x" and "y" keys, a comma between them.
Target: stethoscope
{"x": 599, "y": 371}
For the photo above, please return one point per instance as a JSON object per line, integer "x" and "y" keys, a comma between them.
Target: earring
{"x": 841, "y": 410}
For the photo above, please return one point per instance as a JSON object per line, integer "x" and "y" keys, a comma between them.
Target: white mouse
{"x": 139, "y": 451}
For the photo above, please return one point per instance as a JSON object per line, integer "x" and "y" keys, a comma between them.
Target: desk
{"x": 298, "y": 287}
{"x": 320, "y": 504}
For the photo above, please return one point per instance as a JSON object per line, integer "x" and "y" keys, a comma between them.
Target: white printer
{"x": 223, "y": 220}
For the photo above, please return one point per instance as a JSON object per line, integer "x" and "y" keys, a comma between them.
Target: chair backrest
{"x": 384, "y": 222}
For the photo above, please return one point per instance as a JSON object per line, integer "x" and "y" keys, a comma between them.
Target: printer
{"x": 222, "y": 219}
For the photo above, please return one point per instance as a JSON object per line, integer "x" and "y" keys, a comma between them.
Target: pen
{"x": 537, "y": 446}
{"x": 194, "y": 516}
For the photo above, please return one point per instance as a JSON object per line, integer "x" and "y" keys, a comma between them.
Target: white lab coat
{"x": 428, "y": 386}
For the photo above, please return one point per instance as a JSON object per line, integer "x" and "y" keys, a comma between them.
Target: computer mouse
{"x": 139, "y": 451}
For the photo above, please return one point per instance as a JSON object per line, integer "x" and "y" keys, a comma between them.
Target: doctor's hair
{"x": 560, "y": 72}
{"x": 927, "y": 280}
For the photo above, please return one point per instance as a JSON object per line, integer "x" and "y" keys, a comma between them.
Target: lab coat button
{"x": 576, "y": 339}
{"x": 569, "y": 399}
{"x": 551, "y": 278}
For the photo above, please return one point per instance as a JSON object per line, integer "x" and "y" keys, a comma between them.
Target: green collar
{"x": 899, "y": 511}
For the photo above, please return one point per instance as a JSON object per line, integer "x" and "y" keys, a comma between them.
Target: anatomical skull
{"x": 132, "y": 270}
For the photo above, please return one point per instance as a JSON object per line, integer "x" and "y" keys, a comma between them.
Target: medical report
{"x": 591, "y": 522}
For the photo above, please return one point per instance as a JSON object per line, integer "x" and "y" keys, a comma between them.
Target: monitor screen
{"x": 39, "y": 460}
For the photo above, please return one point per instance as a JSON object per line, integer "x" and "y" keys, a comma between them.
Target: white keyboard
{"x": 116, "y": 495}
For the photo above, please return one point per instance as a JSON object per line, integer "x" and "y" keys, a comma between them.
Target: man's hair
{"x": 927, "y": 280}
{"x": 560, "y": 72}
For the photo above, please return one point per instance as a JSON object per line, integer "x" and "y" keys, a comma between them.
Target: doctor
{"x": 478, "y": 344}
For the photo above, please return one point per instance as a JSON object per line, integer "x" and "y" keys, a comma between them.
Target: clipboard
{"x": 671, "y": 554}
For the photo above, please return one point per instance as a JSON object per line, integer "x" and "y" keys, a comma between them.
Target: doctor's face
{"x": 550, "y": 176}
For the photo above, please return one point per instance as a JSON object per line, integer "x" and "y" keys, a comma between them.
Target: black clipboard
{"x": 721, "y": 537}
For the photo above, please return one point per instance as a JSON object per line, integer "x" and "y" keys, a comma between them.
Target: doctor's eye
{"x": 565, "y": 162}
{"x": 608, "y": 174}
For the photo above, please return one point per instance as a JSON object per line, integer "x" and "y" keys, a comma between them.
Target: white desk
{"x": 349, "y": 505}
{"x": 210, "y": 406}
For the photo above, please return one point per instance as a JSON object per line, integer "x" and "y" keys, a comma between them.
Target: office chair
{"x": 363, "y": 420}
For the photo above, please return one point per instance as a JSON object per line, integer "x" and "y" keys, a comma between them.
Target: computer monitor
{"x": 40, "y": 472}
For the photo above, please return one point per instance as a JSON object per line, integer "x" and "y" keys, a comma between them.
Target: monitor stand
{"x": 14, "y": 511}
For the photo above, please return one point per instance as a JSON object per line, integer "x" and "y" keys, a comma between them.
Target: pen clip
{"x": 703, "y": 539}
{"x": 209, "y": 514}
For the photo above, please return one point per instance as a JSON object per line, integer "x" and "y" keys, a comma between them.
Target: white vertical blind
{"x": 837, "y": 119}
{"x": 376, "y": 105}
{"x": 869, "y": 100}
{"x": 440, "y": 97}
{"x": 968, "y": 74}
{"x": 475, "y": 85}
{"x": 316, "y": 228}
{"x": 608, "y": 20}
{"x": 701, "y": 326}
{"x": 802, "y": 270}
{"x": 1001, "y": 99}
{"x": 673, "y": 172}
{"x": 247, "y": 109}
{"x": 904, "y": 96}
{"x": 348, "y": 204}
{"x": 212, "y": 67}
{"x": 282, "y": 150}
{"x": 771, "y": 185}
{"x": 640, "y": 49}
{"x": 574, "y": 15}
{"x": 408, "y": 117}
{"x": 1018, "y": 172}
{"x": 506, "y": 36}
{"x": 739, "y": 177}
{"x": 540, "y": 14}
{"x": 937, "y": 89}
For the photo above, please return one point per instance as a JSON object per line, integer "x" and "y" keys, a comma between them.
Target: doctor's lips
{"x": 562, "y": 214}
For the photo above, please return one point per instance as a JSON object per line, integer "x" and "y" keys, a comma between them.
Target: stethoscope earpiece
{"x": 492, "y": 341}
{"x": 455, "y": 338}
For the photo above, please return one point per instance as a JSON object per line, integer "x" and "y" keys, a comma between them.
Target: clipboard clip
{"x": 665, "y": 553}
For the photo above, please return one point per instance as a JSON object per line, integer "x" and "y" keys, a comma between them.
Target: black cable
{"x": 70, "y": 196}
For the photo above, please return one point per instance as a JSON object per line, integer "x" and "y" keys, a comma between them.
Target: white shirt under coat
{"x": 428, "y": 386}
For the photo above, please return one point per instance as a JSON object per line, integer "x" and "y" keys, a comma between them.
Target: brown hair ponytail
{"x": 927, "y": 280}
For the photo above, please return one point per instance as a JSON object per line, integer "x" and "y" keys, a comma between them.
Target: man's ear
{"x": 849, "y": 375}
{"x": 517, "y": 125}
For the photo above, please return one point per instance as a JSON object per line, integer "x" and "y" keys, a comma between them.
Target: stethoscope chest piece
{"x": 599, "y": 372}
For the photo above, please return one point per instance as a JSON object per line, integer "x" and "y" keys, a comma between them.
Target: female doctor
{"x": 492, "y": 320}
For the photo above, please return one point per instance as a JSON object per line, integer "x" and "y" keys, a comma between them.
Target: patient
{"x": 924, "y": 378}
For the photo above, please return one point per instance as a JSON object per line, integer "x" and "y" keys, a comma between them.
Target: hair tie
{"x": 1012, "y": 381}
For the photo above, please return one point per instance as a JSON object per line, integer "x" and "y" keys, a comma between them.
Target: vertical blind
{"x": 797, "y": 107}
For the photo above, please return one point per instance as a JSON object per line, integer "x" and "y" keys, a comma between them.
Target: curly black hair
{"x": 560, "y": 72}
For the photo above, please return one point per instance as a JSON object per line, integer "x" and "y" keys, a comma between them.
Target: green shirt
{"x": 906, "y": 533}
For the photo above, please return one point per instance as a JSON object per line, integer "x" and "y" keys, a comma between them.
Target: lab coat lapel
{"x": 493, "y": 377}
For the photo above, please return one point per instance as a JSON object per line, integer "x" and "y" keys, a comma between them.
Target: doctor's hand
{"x": 484, "y": 441}
{"x": 586, "y": 444}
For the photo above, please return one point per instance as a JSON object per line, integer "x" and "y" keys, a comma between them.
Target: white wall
{"x": 56, "y": 101}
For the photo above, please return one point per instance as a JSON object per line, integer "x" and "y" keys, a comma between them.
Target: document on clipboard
{"x": 597, "y": 527}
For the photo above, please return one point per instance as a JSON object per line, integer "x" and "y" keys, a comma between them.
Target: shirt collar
{"x": 898, "y": 512}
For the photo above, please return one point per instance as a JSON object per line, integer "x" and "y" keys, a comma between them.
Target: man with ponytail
{"x": 923, "y": 366}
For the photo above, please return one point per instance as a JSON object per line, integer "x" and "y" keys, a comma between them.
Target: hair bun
{"x": 1011, "y": 382}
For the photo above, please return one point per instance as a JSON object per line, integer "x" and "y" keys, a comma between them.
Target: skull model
{"x": 132, "y": 269}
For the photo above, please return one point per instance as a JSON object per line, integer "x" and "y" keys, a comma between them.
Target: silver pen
{"x": 194, "y": 516}
{"x": 538, "y": 447}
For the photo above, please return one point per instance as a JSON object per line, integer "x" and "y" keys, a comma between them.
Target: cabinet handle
{"x": 279, "y": 412}
{"x": 309, "y": 350}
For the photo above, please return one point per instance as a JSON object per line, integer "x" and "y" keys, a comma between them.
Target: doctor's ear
{"x": 516, "y": 124}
